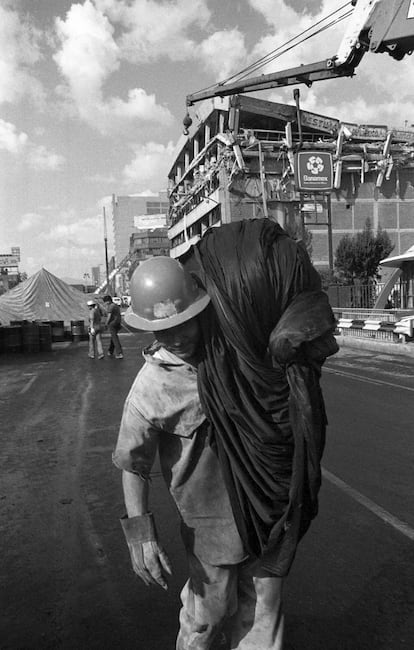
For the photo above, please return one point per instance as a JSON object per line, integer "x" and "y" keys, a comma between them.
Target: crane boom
{"x": 375, "y": 25}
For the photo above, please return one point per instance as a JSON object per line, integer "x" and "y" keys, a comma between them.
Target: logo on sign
{"x": 315, "y": 165}
{"x": 314, "y": 171}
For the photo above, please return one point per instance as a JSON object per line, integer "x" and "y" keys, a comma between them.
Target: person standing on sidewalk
{"x": 113, "y": 323}
{"x": 94, "y": 330}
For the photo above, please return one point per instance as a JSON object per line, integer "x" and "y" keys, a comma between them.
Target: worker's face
{"x": 182, "y": 340}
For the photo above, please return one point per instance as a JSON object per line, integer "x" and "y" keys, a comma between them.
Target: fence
{"x": 354, "y": 296}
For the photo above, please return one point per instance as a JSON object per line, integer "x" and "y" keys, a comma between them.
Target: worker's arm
{"x": 135, "y": 494}
{"x": 134, "y": 454}
{"x": 149, "y": 560}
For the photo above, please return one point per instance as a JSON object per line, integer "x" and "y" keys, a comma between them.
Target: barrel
{"x": 30, "y": 337}
{"x": 58, "y": 330}
{"x": 45, "y": 337}
{"x": 1, "y": 339}
{"x": 77, "y": 328}
{"x": 12, "y": 338}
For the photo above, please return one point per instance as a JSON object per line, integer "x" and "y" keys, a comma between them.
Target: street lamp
{"x": 86, "y": 277}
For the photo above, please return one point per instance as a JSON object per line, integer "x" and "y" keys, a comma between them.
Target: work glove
{"x": 149, "y": 560}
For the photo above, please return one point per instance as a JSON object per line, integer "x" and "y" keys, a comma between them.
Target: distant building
{"x": 96, "y": 275}
{"x": 237, "y": 161}
{"x": 9, "y": 269}
{"x": 132, "y": 212}
{"x": 147, "y": 243}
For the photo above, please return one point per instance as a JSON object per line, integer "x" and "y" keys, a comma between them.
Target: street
{"x": 65, "y": 574}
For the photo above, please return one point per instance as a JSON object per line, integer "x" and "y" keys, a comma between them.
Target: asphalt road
{"x": 65, "y": 578}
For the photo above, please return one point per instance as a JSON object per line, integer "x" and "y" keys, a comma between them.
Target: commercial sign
{"x": 148, "y": 221}
{"x": 402, "y": 136}
{"x": 366, "y": 131}
{"x": 312, "y": 207}
{"x": 320, "y": 122}
{"x": 314, "y": 171}
{"x": 8, "y": 260}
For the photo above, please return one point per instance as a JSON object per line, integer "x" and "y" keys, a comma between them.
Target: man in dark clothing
{"x": 113, "y": 322}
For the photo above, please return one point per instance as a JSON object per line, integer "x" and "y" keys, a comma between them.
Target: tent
{"x": 43, "y": 297}
{"x": 399, "y": 260}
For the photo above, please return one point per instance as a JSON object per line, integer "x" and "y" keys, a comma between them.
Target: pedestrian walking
{"x": 229, "y": 396}
{"x": 113, "y": 322}
{"x": 94, "y": 330}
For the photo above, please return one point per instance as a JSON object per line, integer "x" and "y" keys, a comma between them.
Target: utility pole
{"x": 106, "y": 252}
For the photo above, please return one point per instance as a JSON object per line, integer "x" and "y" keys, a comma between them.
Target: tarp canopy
{"x": 399, "y": 260}
{"x": 44, "y": 297}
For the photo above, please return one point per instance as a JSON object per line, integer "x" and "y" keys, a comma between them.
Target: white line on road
{"x": 29, "y": 383}
{"x": 368, "y": 380}
{"x": 399, "y": 525}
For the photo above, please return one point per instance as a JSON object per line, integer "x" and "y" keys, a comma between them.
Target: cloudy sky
{"x": 92, "y": 97}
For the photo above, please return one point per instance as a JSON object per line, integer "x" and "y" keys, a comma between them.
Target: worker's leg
{"x": 99, "y": 347}
{"x": 258, "y": 622}
{"x": 115, "y": 340}
{"x": 208, "y": 597}
{"x": 91, "y": 351}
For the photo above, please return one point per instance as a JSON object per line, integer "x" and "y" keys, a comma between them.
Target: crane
{"x": 375, "y": 26}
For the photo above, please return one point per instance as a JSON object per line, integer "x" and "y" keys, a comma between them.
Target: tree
{"x": 299, "y": 233}
{"x": 357, "y": 257}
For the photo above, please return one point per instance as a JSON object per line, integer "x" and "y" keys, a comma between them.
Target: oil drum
{"x": 77, "y": 328}
{"x": 45, "y": 337}
{"x": 12, "y": 338}
{"x": 30, "y": 337}
{"x": 58, "y": 330}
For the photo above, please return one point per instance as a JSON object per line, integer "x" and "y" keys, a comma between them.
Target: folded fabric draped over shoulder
{"x": 266, "y": 335}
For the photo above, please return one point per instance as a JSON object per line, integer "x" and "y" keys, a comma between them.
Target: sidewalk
{"x": 382, "y": 347}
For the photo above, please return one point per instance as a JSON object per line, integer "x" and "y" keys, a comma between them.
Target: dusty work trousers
{"x": 242, "y": 599}
{"x": 95, "y": 340}
{"x": 115, "y": 343}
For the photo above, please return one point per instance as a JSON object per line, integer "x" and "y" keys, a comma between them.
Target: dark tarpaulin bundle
{"x": 266, "y": 336}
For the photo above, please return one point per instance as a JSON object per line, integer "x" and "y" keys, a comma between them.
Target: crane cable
{"x": 275, "y": 56}
{"x": 282, "y": 49}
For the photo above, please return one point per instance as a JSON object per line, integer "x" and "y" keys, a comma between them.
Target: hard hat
{"x": 91, "y": 303}
{"x": 163, "y": 295}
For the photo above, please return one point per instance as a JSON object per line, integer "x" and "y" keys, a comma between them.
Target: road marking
{"x": 29, "y": 383}
{"x": 368, "y": 380}
{"x": 399, "y": 525}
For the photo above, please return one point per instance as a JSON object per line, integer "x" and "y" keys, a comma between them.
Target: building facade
{"x": 146, "y": 243}
{"x": 128, "y": 212}
{"x": 239, "y": 161}
{"x": 9, "y": 269}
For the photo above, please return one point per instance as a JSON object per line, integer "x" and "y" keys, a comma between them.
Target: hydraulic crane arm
{"x": 375, "y": 25}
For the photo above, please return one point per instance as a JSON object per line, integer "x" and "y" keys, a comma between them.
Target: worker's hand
{"x": 92, "y": 331}
{"x": 150, "y": 562}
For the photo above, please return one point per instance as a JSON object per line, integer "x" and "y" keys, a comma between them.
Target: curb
{"x": 401, "y": 349}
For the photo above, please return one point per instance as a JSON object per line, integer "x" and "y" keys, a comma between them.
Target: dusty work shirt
{"x": 163, "y": 411}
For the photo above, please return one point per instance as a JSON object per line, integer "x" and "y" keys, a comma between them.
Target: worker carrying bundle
{"x": 229, "y": 395}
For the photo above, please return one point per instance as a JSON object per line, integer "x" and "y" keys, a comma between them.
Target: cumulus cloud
{"x": 87, "y": 57}
{"x": 149, "y": 167}
{"x": 41, "y": 159}
{"x": 19, "y": 52}
{"x": 30, "y": 220}
{"x": 38, "y": 157}
{"x": 65, "y": 242}
{"x": 157, "y": 29}
{"x": 223, "y": 53}
{"x": 10, "y": 139}
{"x": 370, "y": 97}
{"x": 79, "y": 231}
